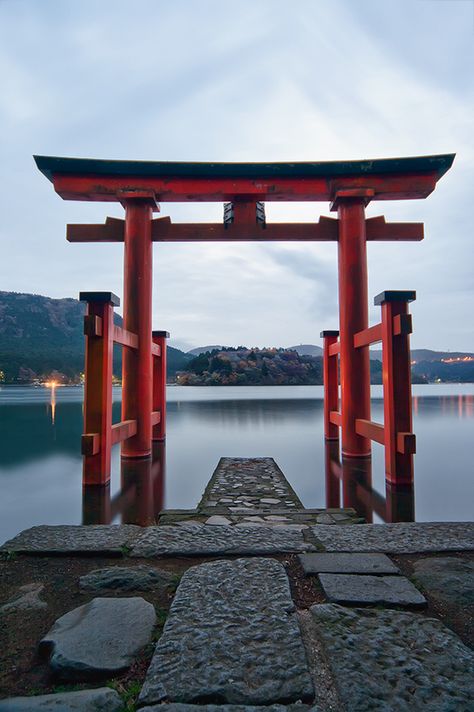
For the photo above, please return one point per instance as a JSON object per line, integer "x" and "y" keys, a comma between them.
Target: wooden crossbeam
{"x": 123, "y": 430}
{"x": 371, "y": 430}
{"x": 379, "y": 230}
{"x": 325, "y": 230}
{"x": 181, "y": 189}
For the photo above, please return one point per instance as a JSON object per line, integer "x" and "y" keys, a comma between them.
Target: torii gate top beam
{"x": 105, "y": 181}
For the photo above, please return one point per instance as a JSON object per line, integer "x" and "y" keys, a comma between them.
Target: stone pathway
{"x": 167, "y": 540}
{"x": 403, "y": 538}
{"x": 231, "y": 635}
{"x": 201, "y": 540}
{"x": 394, "y": 661}
{"x": 249, "y": 483}
{"x": 233, "y": 640}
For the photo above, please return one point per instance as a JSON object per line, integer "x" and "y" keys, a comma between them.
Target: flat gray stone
{"x": 374, "y": 590}
{"x": 404, "y": 538}
{"x": 232, "y": 635}
{"x": 347, "y": 564}
{"x": 448, "y": 579}
{"x": 183, "y": 707}
{"x": 137, "y": 578}
{"x": 180, "y": 541}
{"x": 218, "y": 520}
{"x": 67, "y": 539}
{"x": 395, "y": 660}
{"x": 99, "y": 639}
{"x": 26, "y": 598}
{"x": 102, "y": 699}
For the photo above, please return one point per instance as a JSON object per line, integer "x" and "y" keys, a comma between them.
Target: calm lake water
{"x": 40, "y": 461}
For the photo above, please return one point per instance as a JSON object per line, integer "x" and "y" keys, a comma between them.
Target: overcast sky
{"x": 254, "y": 80}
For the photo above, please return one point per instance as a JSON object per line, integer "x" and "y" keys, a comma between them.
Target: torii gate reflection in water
{"x": 348, "y": 185}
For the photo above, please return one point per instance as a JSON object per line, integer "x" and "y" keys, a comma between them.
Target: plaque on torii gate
{"x": 140, "y": 186}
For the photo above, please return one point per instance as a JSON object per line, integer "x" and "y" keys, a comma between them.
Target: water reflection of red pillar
{"x": 159, "y": 384}
{"x": 158, "y": 475}
{"x": 137, "y": 363}
{"x": 96, "y": 505}
{"x": 399, "y": 503}
{"x": 353, "y": 317}
{"x": 357, "y": 485}
{"x": 333, "y": 474}
{"x": 136, "y": 479}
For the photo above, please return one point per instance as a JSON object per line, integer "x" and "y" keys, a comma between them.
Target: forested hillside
{"x": 42, "y": 338}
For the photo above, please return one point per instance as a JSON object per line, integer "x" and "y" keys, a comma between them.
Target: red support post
{"x": 353, "y": 317}
{"x": 137, "y": 370}
{"x": 331, "y": 384}
{"x": 396, "y": 364}
{"x": 159, "y": 384}
{"x": 97, "y": 438}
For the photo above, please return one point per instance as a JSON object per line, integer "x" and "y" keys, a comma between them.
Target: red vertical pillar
{"x": 353, "y": 317}
{"x": 159, "y": 384}
{"x": 97, "y": 438}
{"x": 331, "y": 385}
{"x": 137, "y": 372}
{"x": 396, "y": 365}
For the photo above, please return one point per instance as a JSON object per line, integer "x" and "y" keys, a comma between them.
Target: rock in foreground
{"x": 99, "y": 639}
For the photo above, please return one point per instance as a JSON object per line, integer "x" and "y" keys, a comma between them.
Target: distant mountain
{"x": 204, "y": 349}
{"x": 307, "y": 350}
{"x": 42, "y": 338}
{"x": 427, "y": 355}
{"x": 176, "y": 360}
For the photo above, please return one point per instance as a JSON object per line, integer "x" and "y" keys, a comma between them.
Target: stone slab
{"x": 102, "y": 699}
{"x": 66, "y": 539}
{"x": 401, "y": 538}
{"x": 99, "y": 639}
{"x": 347, "y": 564}
{"x": 26, "y": 598}
{"x": 137, "y": 578}
{"x": 448, "y": 579}
{"x": 210, "y": 541}
{"x": 232, "y": 636}
{"x": 351, "y": 589}
{"x": 218, "y": 520}
{"x": 183, "y": 707}
{"x": 395, "y": 660}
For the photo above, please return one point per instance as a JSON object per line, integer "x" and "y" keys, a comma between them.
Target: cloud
{"x": 254, "y": 81}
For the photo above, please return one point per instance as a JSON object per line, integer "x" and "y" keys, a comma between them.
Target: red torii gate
{"x": 349, "y": 185}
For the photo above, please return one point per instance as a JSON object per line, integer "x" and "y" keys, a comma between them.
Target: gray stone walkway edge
{"x": 401, "y": 538}
{"x": 102, "y": 699}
